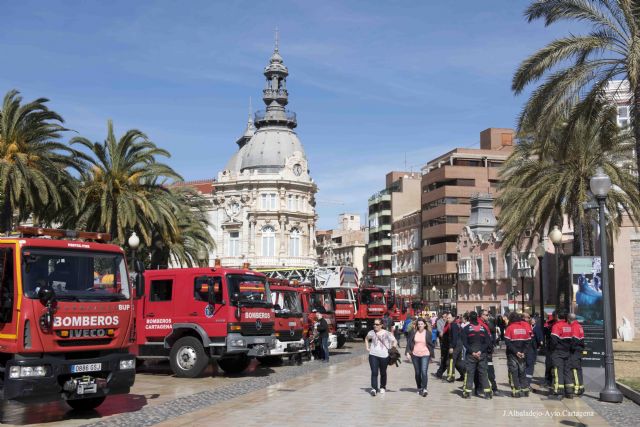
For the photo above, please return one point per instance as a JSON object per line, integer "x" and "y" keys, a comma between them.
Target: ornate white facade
{"x": 263, "y": 202}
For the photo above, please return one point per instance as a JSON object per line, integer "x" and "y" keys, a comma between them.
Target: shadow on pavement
{"x": 17, "y": 413}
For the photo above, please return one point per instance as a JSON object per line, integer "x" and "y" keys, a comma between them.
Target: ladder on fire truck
{"x": 302, "y": 275}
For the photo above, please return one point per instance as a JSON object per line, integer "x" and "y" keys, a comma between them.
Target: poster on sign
{"x": 586, "y": 279}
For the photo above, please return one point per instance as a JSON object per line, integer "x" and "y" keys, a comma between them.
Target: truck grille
{"x": 71, "y": 343}
{"x": 286, "y": 335}
{"x": 251, "y": 329}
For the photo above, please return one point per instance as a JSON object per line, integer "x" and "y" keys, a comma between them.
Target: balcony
{"x": 384, "y": 257}
{"x": 440, "y": 248}
{"x": 448, "y": 229}
{"x": 275, "y": 116}
{"x": 382, "y": 196}
{"x": 385, "y": 212}
{"x": 384, "y": 227}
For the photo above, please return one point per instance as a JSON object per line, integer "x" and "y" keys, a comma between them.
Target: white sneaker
{"x": 373, "y": 392}
{"x": 382, "y": 390}
{"x": 420, "y": 392}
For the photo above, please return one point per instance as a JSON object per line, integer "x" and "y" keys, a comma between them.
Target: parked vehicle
{"x": 371, "y": 305}
{"x": 322, "y": 301}
{"x": 194, "y": 315}
{"x": 288, "y": 327}
{"x": 342, "y": 281}
{"x": 66, "y": 318}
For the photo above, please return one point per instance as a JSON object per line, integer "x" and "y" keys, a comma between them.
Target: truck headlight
{"x": 27, "y": 371}
{"x": 237, "y": 343}
{"x": 127, "y": 364}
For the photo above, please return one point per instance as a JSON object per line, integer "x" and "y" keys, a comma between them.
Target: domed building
{"x": 263, "y": 209}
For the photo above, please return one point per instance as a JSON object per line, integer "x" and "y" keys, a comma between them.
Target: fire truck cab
{"x": 371, "y": 305}
{"x": 289, "y": 327}
{"x": 342, "y": 281}
{"x": 321, "y": 301}
{"x": 194, "y": 315}
{"x": 66, "y": 318}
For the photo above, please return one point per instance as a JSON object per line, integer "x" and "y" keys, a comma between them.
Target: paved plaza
{"x": 319, "y": 394}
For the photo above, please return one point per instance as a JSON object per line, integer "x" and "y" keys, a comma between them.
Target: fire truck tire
{"x": 234, "y": 365}
{"x": 341, "y": 340}
{"x": 270, "y": 360}
{"x": 187, "y": 358}
{"x": 86, "y": 404}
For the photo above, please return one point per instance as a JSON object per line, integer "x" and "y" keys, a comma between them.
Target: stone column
{"x": 252, "y": 236}
{"x": 282, "y": 220}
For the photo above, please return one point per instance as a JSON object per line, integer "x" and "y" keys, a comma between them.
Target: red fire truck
{"x": 371, "y": 306}
{"x": 66, "y": 318}
{"x": 194, "y": 315}
{"x": 289, "y": 330}
{"x": 342, "y": 281}
{"x": 321, "y": 301}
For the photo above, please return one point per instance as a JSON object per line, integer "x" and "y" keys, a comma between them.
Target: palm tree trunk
{"x": 6, "y": 214}
{"x": 635, "y": 114}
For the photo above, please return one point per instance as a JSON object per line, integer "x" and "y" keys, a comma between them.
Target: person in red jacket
{"x": 518, "y": 338}
{"x": 561, "y": 340}
{"x": 577, "y": 347}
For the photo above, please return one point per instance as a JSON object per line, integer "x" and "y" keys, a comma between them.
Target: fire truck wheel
{"x": 86, "y": 404}
{"x": 235, "y": 365}
{"x": 270, "y": 360}
{"x": 341, "y": 340}
{"x": 187, "y": 358}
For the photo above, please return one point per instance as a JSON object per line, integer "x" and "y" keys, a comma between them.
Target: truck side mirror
{"x": 46, "y": 294}
{"x": 139, "y": 284}
{"x": 138, "y": 266}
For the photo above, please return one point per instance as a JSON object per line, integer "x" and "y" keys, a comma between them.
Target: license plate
{"x": 259, "y": 341}
{"x": 86, "y": 367}
{"x": 342, "y": 325}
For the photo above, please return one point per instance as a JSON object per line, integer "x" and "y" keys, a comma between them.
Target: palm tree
{"x": 122, "y": 188}
{"x": 578, "y": 67}
{"x": 546, "y": 180}
{"x": 34, "y": 167}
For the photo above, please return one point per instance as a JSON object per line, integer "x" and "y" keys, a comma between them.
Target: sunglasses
{"x": 377, "y": 324}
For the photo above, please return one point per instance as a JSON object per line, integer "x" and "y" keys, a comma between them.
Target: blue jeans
{"x": 378, "y": 364}
{"x": 421, "y": 366}
{"x": 325, "y": 348}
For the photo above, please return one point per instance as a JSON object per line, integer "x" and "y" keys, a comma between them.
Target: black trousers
{"x": 562, "y": 375}
{"x": 491, "y": 373}
{"x": 455, "y": 361}
{"x": 378, "y": 364}
{"x": 576, "y": 369}
{"x": 517, "y": 373}
{"x": 475, "y": 366}
{"x": 444, "y": 357}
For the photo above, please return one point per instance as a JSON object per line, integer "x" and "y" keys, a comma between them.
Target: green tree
{"x": 579, "y": 65}
{"x": 35, "y": 177}
{"x": 546, "y": 180}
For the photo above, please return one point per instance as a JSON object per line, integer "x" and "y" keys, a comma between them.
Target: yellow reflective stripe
{"x": 577, "y": 381}
{"x": 18, "y": 272}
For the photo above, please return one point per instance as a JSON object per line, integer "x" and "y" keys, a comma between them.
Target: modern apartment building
{"x": 448, "y": 182}
{"x": 345, "y": 245}
{"x": 400, "y": 197}
{"x": 406, "y": 264}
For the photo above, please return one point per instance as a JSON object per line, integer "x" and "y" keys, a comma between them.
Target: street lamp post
{"x": 600, "y": 185}
{"x": 134, "y": 242}
{"x": 533, "y": 261}
{"x": 540, "y": 251}
{"x": 556, "y": 237}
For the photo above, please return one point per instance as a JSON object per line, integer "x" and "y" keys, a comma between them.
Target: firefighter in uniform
{"x": 475, "y": 338}
{"x": 455, "y": 350}
{"x": 518, "y": 338}
{"x": 490, "y": 325}
{"x": 548, "y": 366}
{"x": 577, "y": 347}
{"x": 561, "y": 340}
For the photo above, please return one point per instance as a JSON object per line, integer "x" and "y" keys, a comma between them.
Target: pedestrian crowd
{"x": 468, "y": 343}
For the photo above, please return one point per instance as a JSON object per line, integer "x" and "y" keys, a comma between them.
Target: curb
{"x": 629, "y": 393}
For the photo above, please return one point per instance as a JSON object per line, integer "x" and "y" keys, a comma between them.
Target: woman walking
{"x": 419, "y": 351}
{"x": 378, "y": 342}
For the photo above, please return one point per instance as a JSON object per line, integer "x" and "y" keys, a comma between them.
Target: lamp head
{"x": 600, "y": 183}
{"x": 134, "y": 241}
{"x": 555, "y": 235}
{"x": 533, "y": 261}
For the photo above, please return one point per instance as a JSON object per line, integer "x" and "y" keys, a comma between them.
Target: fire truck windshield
{"x": 286, "y": 303}
{"x": 75, "y": 275}
{"x": 321, "y": 301}
{"x": 372, "y": 297}
{"x": 248, "y": 289}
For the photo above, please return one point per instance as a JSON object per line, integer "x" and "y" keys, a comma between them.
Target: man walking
{"x": 490, "y": 325}
{"x": 455, "y": 350}
{"x": 475, "y": 338}
{"x": 444, "y": 347}
{"x": 440, "y": 323}
{"x": 518, "y": 338}
{"x": 577, "y": 347}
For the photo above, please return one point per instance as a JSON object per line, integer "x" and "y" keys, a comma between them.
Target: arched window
{"x": 294, "y": 242}
{"x": 268, "y": 241}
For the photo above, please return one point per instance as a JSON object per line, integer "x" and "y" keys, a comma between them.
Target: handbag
{"x": 395, "y": 358}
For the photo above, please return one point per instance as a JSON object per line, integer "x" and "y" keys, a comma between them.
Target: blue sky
{"x": 372, "y": 82}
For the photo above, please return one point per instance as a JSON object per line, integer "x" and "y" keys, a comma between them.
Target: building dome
{"x": 268, "y": 150}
